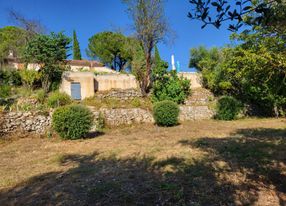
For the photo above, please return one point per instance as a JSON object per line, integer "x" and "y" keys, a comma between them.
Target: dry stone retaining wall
{"x": 120, "y": 94}
{"x": 26, "y": 121}
{"x": 33, "y": 122}
{"x": 195, "y": 113}
{"x": 115, "y": 117}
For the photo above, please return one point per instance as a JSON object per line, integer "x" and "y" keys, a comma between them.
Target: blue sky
{"x": 89, "y": 17}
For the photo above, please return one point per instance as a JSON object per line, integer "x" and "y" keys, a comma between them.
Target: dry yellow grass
{"x": 196, "y": 163}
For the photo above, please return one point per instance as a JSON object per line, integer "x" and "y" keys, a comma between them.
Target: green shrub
{"x": 57, "y": 99}
{"x": 29, "y": 77}
{"x": 72, "y": 121}
{"x": 26, "y": 107}
{"x": 15, "y": 78}
{"x": 5, "y": 91}
{"x": 100, "y": 122}
{"x": 166, "y": 113}
{"x": 227, "y": 108}
{"x": 56, "y": 78}
{"x": 40, "y": 96}
{"x": 169, "y": 86}
{"x": 3, "y": 76}
{"x": 135, "y": 102}
{"x": 10, "y": 76}
{"x": 55, "y": 86}
{"x": 23, "y": 91}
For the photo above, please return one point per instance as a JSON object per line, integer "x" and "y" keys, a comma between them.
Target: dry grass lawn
{"x": 196, "y": 163}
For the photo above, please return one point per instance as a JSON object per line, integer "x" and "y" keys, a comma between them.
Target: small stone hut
{"x": 107, "y": 82}
{"x": 81, "y": 85}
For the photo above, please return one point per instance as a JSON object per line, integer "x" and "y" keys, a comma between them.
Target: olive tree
{"x": 150, "y": 27}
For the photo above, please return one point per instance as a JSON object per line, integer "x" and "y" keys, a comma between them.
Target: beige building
{"x": 88, "y": 65}
{"x": 115, "y": 81}
{"x": 72, "y": 65}
{"x": 81, "y": 85}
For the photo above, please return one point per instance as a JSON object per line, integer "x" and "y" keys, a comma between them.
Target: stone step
{"x": 200, "y": 96}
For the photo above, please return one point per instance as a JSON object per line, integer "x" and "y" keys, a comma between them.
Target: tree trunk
{"x": 146, "y": 80}
{"x": 276, "y": 111}
{"x": 46, "y": 84}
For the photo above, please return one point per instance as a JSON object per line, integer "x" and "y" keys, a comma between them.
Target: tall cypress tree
{"x": 159, "y": 66}
{"x": 76, "y": 49}
{"x": 157, "y": 58}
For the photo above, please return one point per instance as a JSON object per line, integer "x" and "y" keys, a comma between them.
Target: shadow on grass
{"x": 94, "y": 134}
{"x": 133, "y": 181}
{"x": 258, "y": 153}
{"x": 172, "y": 181}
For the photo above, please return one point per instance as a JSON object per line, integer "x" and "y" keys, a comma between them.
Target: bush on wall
{"x": 227, "y": 108}
{"x": 72, "y": 121}
{"x": 166, "y": 113}
{"x": 40, "y": 96}
{"x": 5, "y": 91}
{"x": 10, "y": 76}
{"x": 29, "y": 77}
{"x": 168, "y": 86}
{"x": 57, "y": 99}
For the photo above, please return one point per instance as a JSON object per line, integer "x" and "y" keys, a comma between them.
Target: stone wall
{"x": 26, "y": 121}
{"x": 121, "y": 94}
{"x": 195, "y": 113}
{"x": 195, "y": 78}
{"x": 33, "y": 122}
{"x": 106, "y": 82}
{"x": 116, "y": 117}
{"x": 200, "y": 96}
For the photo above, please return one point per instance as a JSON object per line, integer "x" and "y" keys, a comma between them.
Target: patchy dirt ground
{"x": 196, "y": 163}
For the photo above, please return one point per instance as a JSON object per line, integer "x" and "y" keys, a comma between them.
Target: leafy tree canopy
{"x": 167, "y": 85}
{"x": 150, "y": 27}
{"x": 253, "y": 72}
{"x": 12, "y": 39}
{"x": 159, "y": 66}
{"x": 266, "y": 13}
{"x": 111, "y": 48}
{"x": 203, "y": 58}
{"x": 49, "y": 51}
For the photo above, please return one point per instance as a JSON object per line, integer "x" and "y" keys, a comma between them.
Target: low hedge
{"x": 57, "y": 99}
{"x": 72, "y": 121}
{"x": 166, "y": 113}
{"x": 228, "y": 108}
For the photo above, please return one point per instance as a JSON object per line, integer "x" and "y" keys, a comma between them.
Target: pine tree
{"x": 76, "y": 49}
